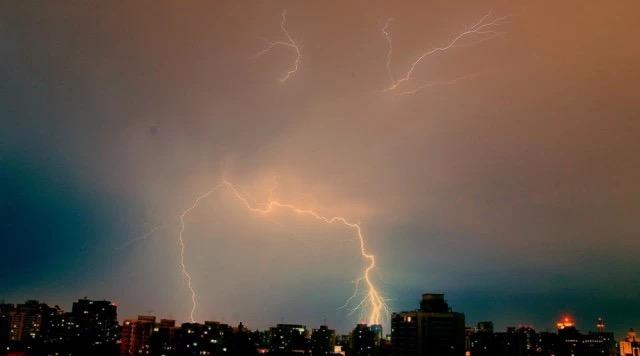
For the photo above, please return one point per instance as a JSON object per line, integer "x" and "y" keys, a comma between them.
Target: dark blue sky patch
{"x": 46, "y": 223}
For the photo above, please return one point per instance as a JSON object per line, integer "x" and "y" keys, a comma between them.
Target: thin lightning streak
{"x": 436, "y": 83}
{"x": 273, "y": 189}
{"x": 356, "y": 290}
{"x": 387, "y": 35}
{"x": 288, "y": 43}
{"x": 145, "y": 236}
{"x": 482, "y": 27}
{"x": 357, "y": 307}
{"x": 183, "y": 267}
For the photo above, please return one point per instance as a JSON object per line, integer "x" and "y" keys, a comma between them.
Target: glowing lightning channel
{"x": 288, "y": 43}
{"x": 480, "y": 28}
{"x": 185, "y": 272}
{"x": 387, "y": 35}
{"x": 143, "y": 237}
{"x": 376, "y": 301}
{"x": 356, "y": 290}
{"x": 378, "y": 307}
{"x": 437, "y": 83}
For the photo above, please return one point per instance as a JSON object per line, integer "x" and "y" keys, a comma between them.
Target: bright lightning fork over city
{"x": 373, "y": 302}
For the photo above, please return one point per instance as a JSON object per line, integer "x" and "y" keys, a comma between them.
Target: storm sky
{"x": 513, "y": 190}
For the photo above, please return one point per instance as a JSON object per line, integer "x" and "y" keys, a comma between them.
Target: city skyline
{"x": 326, "y": 160}
{"x": 561, "y": 322}
{"x": 434, "y": 328}
{"x": 549, "y": 326}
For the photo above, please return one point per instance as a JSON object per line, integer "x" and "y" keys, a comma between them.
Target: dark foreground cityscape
{"x": 92, "y": 328}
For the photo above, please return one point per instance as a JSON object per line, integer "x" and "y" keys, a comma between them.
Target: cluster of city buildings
{"x": 92, "y": 328}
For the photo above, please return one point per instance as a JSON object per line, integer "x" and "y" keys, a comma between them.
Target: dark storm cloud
{"x": 518, "y": 183}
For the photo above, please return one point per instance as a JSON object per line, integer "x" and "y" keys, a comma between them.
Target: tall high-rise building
{"x": 485, "y": 326}
{"x": 5, "y": 324}
{"x": 516, "y": 341}
{"x": 96, "y": 326}
{"x": 599, "y": 342}
{"x": 631, "y": 344}
{"x": 245, "y": 341}
{"x": 433, "y": 330}
{"x": 363, "y": 341}
{"x": 572, "y": 342}
{"x": 163, "y": 338}
{"x": 30, "y": 320}
{"x": 286, "y": 338}
{"x": 210, "y": 338}
{"x": 29, "y": 326}
{"x": 569, "y": 339}
{"x": 481, "y": 341}
{"x": 378, "y": 337}
{"x": 135, "y": 336}
{"x": 323, "y": 341}
{"x": 547, "y": 343}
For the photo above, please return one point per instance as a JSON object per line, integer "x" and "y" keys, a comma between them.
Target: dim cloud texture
{"x": 513, "y": 191}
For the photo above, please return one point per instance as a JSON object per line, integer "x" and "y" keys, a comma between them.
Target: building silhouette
{"x": 163, "y": 338}
{"x": 517, "y": 341}
{"x": 323, "y": 341}
{"x": 96, "y": 325}
{"x": 480, "y": 341}
{"x": 631, "y": 344}
{"x": 28, "y": 326}
{"x": 600, "y": 342}
{"x": 572, "y": 342}
{"x": 363, "y": 341}
{"x": 34, "y": 328}
{"x": 91, "y": 328}
{"x": 433, "y": 330}
{"x": 145, "y": 336}
{"x": 288, "y": 338}
{"x": 525, "y": 341}
{"x": 135, "y": 337}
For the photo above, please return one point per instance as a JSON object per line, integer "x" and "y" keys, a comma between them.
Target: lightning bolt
{"x": 290, "y": 43}
{"x": 143, "y": 237}
{"x": 377, "y": 303}
{"x": 356, "y": 290}
{"x": 378, "y": 308}
{"x": 183, "y": 267}
{"x": 481, "y": 31}
{"x": 387, "y": 35}
{"x": 437, "y": 83}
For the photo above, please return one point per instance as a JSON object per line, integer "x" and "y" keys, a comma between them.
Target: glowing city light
{"x": 565, "y": 322}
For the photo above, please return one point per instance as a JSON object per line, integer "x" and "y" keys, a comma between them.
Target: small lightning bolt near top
{"x": 290, "y": 43}
{"x": 387, "y": 35}
{"x": 482, "y": 30}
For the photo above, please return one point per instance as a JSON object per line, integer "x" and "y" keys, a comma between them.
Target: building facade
{"x": 433, "y": 330}
{"x": 323, "y": 341}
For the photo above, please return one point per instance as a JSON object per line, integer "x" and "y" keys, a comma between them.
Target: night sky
{"x": 514, "y": 190}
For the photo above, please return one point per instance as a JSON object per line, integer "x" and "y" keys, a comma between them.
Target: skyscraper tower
{"x": 433, "y": 330}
